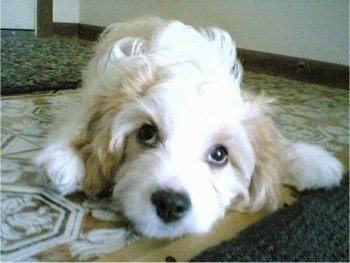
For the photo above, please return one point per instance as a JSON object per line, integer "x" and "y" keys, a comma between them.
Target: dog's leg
{"x": 310, "y": 167}
{"x": 61, "y": 162}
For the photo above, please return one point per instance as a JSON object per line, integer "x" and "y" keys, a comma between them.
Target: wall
{"x": 312, "y": 29}
{"x": 66, "y": 11}
{"x": 18, "y": 14}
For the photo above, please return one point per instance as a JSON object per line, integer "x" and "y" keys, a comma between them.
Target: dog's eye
{"x": 218, "y": 155}
{"x": 148, "y": 135}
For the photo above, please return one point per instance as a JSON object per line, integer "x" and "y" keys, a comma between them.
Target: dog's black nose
{"x": 170, "y": 205}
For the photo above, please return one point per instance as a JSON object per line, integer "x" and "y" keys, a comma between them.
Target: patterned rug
{"x": 39, "y": 225}
{"x": 36, "y": 64}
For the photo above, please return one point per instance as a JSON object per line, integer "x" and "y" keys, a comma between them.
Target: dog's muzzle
{"x": 170, "y": 205}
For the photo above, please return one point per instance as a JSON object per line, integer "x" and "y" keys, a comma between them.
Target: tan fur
{"x": 269, "y": 145}
{"x": 100, "y": 163}
{"x": 93, "y": 144}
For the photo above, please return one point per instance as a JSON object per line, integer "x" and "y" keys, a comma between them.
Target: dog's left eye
{"x": 148, "y": 135}
{"x": 218, "y": 155}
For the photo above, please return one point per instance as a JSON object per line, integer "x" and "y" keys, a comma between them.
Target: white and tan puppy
{"x": 164, "y": 127}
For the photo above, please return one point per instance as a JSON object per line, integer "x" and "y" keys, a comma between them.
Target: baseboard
{"x": 65, "y": 29}
{"x": 311, "y": 71}
{"x": 89, "y": 32}
{"x": 8, "y": 32}
{"x": 82, "y": 31}
{"x": 317, "y": 72}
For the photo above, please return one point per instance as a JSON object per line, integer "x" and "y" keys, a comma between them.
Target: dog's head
{"x": 168, "y": 129}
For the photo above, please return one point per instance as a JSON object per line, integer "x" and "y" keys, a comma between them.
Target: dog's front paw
{"x": 311, "y": 167}
{"x": 63, "y": 166}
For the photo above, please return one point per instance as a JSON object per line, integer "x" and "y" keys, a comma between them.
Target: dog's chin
{"x": 150, "y": 225}
{"x": 143, "y": 215}
{"x": 156, "y": 228}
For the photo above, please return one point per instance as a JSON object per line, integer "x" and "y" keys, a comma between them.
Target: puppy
{"x": 164, "y": 128}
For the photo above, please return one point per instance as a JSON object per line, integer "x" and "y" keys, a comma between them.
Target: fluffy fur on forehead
{"x": 153, "y": 42}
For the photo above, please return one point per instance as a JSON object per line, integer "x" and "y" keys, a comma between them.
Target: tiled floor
{"x": 39, "y": 225}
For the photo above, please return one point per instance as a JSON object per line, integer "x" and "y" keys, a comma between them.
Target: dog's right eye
{"x": 218, "y": 155}
{"x": 148, "y": 135}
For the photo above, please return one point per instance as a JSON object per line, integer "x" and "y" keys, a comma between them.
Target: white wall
{"x": 66, "y": 11}
{"x": 313, "y": 29}
{"x": 18, "y": 14}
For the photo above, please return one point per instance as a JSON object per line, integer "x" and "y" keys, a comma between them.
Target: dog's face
{"x": 186, "y": 158}
{"x": 169, "y": 129}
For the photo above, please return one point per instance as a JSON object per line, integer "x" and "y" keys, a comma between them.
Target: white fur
{"x": 186, "y": 83}
{"x": 179, "y": 165}
{"x": 63, "y": 167}
{"x": 312, "y": 167}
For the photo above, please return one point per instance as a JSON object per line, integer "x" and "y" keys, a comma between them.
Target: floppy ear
{"x": 268, "y": 145}
{"x": 99, "y": 171}
{"x": 93, "y": 145}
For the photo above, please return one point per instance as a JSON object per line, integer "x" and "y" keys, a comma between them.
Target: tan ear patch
{"x": 269, "y": 145}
